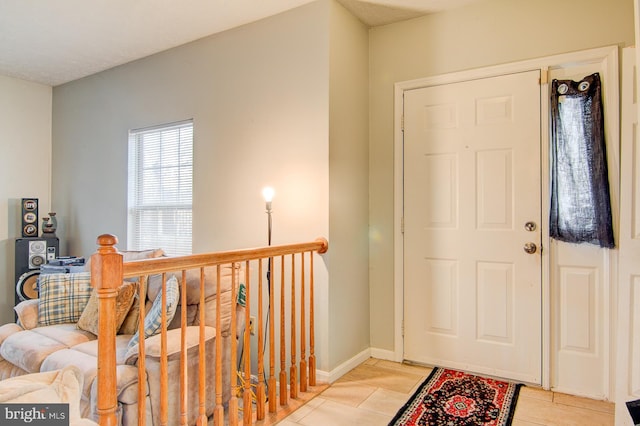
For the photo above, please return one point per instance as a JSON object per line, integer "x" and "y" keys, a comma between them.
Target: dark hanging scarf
{"x": 580, "y": 203}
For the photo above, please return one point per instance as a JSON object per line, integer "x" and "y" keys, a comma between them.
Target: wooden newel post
{"x": 106, "y": 277}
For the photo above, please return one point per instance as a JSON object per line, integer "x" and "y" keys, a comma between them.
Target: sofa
{"x": 32, "y": 392}
{"x": 49, "y": 338}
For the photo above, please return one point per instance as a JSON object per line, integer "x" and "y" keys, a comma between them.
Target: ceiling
{"x": 54, "y": 42}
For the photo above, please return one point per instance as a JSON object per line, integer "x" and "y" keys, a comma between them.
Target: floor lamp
{"x": 267, "y": 193}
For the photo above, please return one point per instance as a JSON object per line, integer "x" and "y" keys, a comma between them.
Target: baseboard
{"x": 384, "y": 354}
{"x": 344, "y": 368}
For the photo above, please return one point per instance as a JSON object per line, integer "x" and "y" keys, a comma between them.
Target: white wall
{"x": 25, "y": 169}
{"x": 481, "y": 34}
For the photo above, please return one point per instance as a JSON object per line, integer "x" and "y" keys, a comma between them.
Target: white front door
{"x": 472, "y": 189}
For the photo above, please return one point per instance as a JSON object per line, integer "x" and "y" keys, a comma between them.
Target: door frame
{"x": 608, "y": 57}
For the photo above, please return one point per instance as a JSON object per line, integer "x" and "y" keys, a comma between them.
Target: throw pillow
{"x": 130, "y": 323}
{"x": 63, "y": 297}
{"x": 124, "y": 299}
{"x": 153, "y": 319}
{"x": 129, "y": 255}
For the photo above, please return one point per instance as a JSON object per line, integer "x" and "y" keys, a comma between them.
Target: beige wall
{"x": 259, "y": 98}
{"x": 25, "y": 169}
{"x": 269, "y": 102}
{"x": 484, "y": 33}
{"x": 348, "y": 185}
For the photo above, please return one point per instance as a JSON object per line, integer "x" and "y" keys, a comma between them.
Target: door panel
{"x": 580, "y": 282}
{"x": 628, "y": 306}
{"x": 471, "y": 181}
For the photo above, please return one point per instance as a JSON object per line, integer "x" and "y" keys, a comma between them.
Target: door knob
{"x": 530, "y": 248}
{"x": 530, "y": 226}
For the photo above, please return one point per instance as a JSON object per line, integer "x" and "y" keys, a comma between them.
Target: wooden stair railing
{"x": 296, "y": 283}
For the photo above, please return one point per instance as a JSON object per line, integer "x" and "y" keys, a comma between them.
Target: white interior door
{"x": 580, "y": 282}
{"x": 472, "y": 295}
{"x": 628, "y": 327}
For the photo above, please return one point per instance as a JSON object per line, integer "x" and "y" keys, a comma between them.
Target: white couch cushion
{"x": 27, "y": 349}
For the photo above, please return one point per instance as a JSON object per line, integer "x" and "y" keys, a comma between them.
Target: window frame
{"x": 161, "y": 188}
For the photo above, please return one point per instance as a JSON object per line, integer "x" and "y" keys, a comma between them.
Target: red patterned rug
{"x": 453, "y": 398}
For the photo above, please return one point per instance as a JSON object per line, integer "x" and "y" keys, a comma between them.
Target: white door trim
{"x": 608, "y": 56}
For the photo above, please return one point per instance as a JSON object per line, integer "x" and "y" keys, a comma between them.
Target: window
{"x": 160, "y": 188}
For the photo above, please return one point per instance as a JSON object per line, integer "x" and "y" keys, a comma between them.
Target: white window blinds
{"x": 160, "y": 188}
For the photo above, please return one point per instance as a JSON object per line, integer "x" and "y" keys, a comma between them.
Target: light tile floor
{"x": 373, "y": 392}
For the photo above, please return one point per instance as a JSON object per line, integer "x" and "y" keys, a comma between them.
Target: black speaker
{"x": 31, "y": 253}
{"x": 29, "y": 217}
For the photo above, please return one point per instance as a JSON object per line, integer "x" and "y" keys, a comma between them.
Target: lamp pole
{"x": 268, "y": 193}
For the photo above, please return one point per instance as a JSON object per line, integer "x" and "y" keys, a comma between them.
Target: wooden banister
{"x": 272, "y": 342}
{"x": 142, "y": 370}
{"x": 163, "y": 264}
{"x": 303, "y": 336}
{"x": 164, "y": 386}
{"x": 218, "y": 413}
{"x": 106, "y": 276}
{"x": 233, "y": 401}
{"x": 202, "y": 365}
{"x": 183, "y": 353}
{"x": 293, "y": 369}
{"x": 283, "y": 347}
{"x": 246, "y": 350}
{"x": 312, "y": 330}
{"x": 290, "y": 316}
{"x": 260, "y": 388}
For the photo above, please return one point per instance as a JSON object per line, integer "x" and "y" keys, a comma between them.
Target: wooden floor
{"x": 373, "y": 392}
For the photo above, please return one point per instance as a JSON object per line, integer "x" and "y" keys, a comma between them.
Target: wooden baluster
{"x": 272, "y": 358}
{"x": 260, "y": 388}
{"x": 202, "y": 359}
{"x": 303, "y": 336}
{"x": 283, "y": 353}
{"x": 246, "y": 395}
{"x": 164, "y": 371}
{"x": 183, "y": 350}
{"x": 142, "y": 356}
{"x": 312, "y": 331}
{"x": 233, "y": 401}
{"x": 312, "y": 356}
{"x": 218, "y": 412}
{"x": 293, "y": 370}
{"x": 106, "y": 276}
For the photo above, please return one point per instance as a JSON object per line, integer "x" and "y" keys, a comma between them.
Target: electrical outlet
{"x": 252, "y": 325}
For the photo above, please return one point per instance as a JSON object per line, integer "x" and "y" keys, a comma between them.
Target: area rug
{"x": 453, "y": 398}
